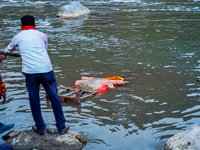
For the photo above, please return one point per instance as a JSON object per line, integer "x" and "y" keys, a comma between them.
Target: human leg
{"x": 50, "y": 86}
{"x": 32, "y": 84}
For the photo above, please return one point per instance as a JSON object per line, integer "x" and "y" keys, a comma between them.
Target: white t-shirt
{"x": 33, "y": 49}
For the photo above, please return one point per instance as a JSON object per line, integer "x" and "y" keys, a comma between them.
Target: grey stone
{"x": 186, "y": 140}
{"x": 39, "y": 3}
{"x": 29, "y": 140}
{"x": 73, "y": 11}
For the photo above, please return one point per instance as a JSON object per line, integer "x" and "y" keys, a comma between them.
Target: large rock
{"x": 186, "y": 140}
{"x": 29, "y": 140}
{"x": 39, "y": 3}
{"x": 74, "y": 10}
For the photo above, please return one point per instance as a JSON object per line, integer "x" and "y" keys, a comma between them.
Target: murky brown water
{"x": 152, "y": 44}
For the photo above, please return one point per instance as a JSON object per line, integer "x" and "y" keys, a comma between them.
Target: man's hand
{"x": 5, "y": 55}
{"x": 1, "y": 59}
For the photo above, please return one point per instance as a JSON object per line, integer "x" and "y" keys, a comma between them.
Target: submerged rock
{"x": 73, "y": 11}
{"x": 186, "y": 140}
{"x": 28, "y": 140}
{"x": 39, "y": 3}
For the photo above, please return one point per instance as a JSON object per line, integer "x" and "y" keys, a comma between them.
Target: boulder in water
{"x": 39, "y": 3}
{"x": 73, "y": 11}
{"x": 186, "y": 140}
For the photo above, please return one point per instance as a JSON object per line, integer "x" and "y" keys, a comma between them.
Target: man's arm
{"x": 11, "y": 47}
{"x": 44, "y": 37}
{"x": 46, "y": 42}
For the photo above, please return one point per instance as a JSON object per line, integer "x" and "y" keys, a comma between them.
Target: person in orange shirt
{"x": 2, "y": 90}
{"x": 3, "y": 127}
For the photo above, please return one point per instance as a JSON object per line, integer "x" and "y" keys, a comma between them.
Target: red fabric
{"x": 28, "y": 27}
{"x": 1, "y": 59}
{"x": 75, "y": 86}
{"x": 103, "y": 89}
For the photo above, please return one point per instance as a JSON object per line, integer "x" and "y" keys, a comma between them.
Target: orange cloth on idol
{"x": 2, "y": 88}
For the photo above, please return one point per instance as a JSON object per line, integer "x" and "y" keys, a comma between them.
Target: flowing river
{"x": 154, "y": 44}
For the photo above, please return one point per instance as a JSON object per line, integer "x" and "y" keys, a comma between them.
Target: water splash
{"x": 74, "y": 10}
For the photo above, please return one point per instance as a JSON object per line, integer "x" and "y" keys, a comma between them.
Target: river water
{"x": 153, "y": 44}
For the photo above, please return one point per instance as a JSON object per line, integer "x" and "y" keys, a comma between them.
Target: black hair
{"x": 28, "y": 20}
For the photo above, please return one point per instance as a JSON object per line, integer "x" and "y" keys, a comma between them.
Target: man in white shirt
{"x": 37, "y": 69}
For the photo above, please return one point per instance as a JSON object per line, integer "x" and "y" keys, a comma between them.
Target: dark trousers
{"x": 49, "y": 83}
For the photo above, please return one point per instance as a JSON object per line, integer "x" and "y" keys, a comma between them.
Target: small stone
{"x": 83, "y": 138}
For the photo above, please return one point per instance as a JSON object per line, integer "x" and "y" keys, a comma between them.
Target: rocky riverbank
{"x": 29, "y": 140}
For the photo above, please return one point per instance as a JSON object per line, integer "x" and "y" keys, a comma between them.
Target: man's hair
{"x": 28, "y": 20}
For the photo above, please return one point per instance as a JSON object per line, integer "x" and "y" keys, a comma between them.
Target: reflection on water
{"x": 154, "y": 45}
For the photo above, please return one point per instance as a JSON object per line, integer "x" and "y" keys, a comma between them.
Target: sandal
{"x": 34, "y": 128}
{"x": 64, "y": 130}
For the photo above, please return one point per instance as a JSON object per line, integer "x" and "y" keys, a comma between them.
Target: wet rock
{"x": 39, "y": 3}
{"x": 74, "y": 10}
{"x": 29, "y": 140}
{"x": 186, "y": 140}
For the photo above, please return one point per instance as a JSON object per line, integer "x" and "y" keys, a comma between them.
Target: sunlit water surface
{"x": 153, "y": 44}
